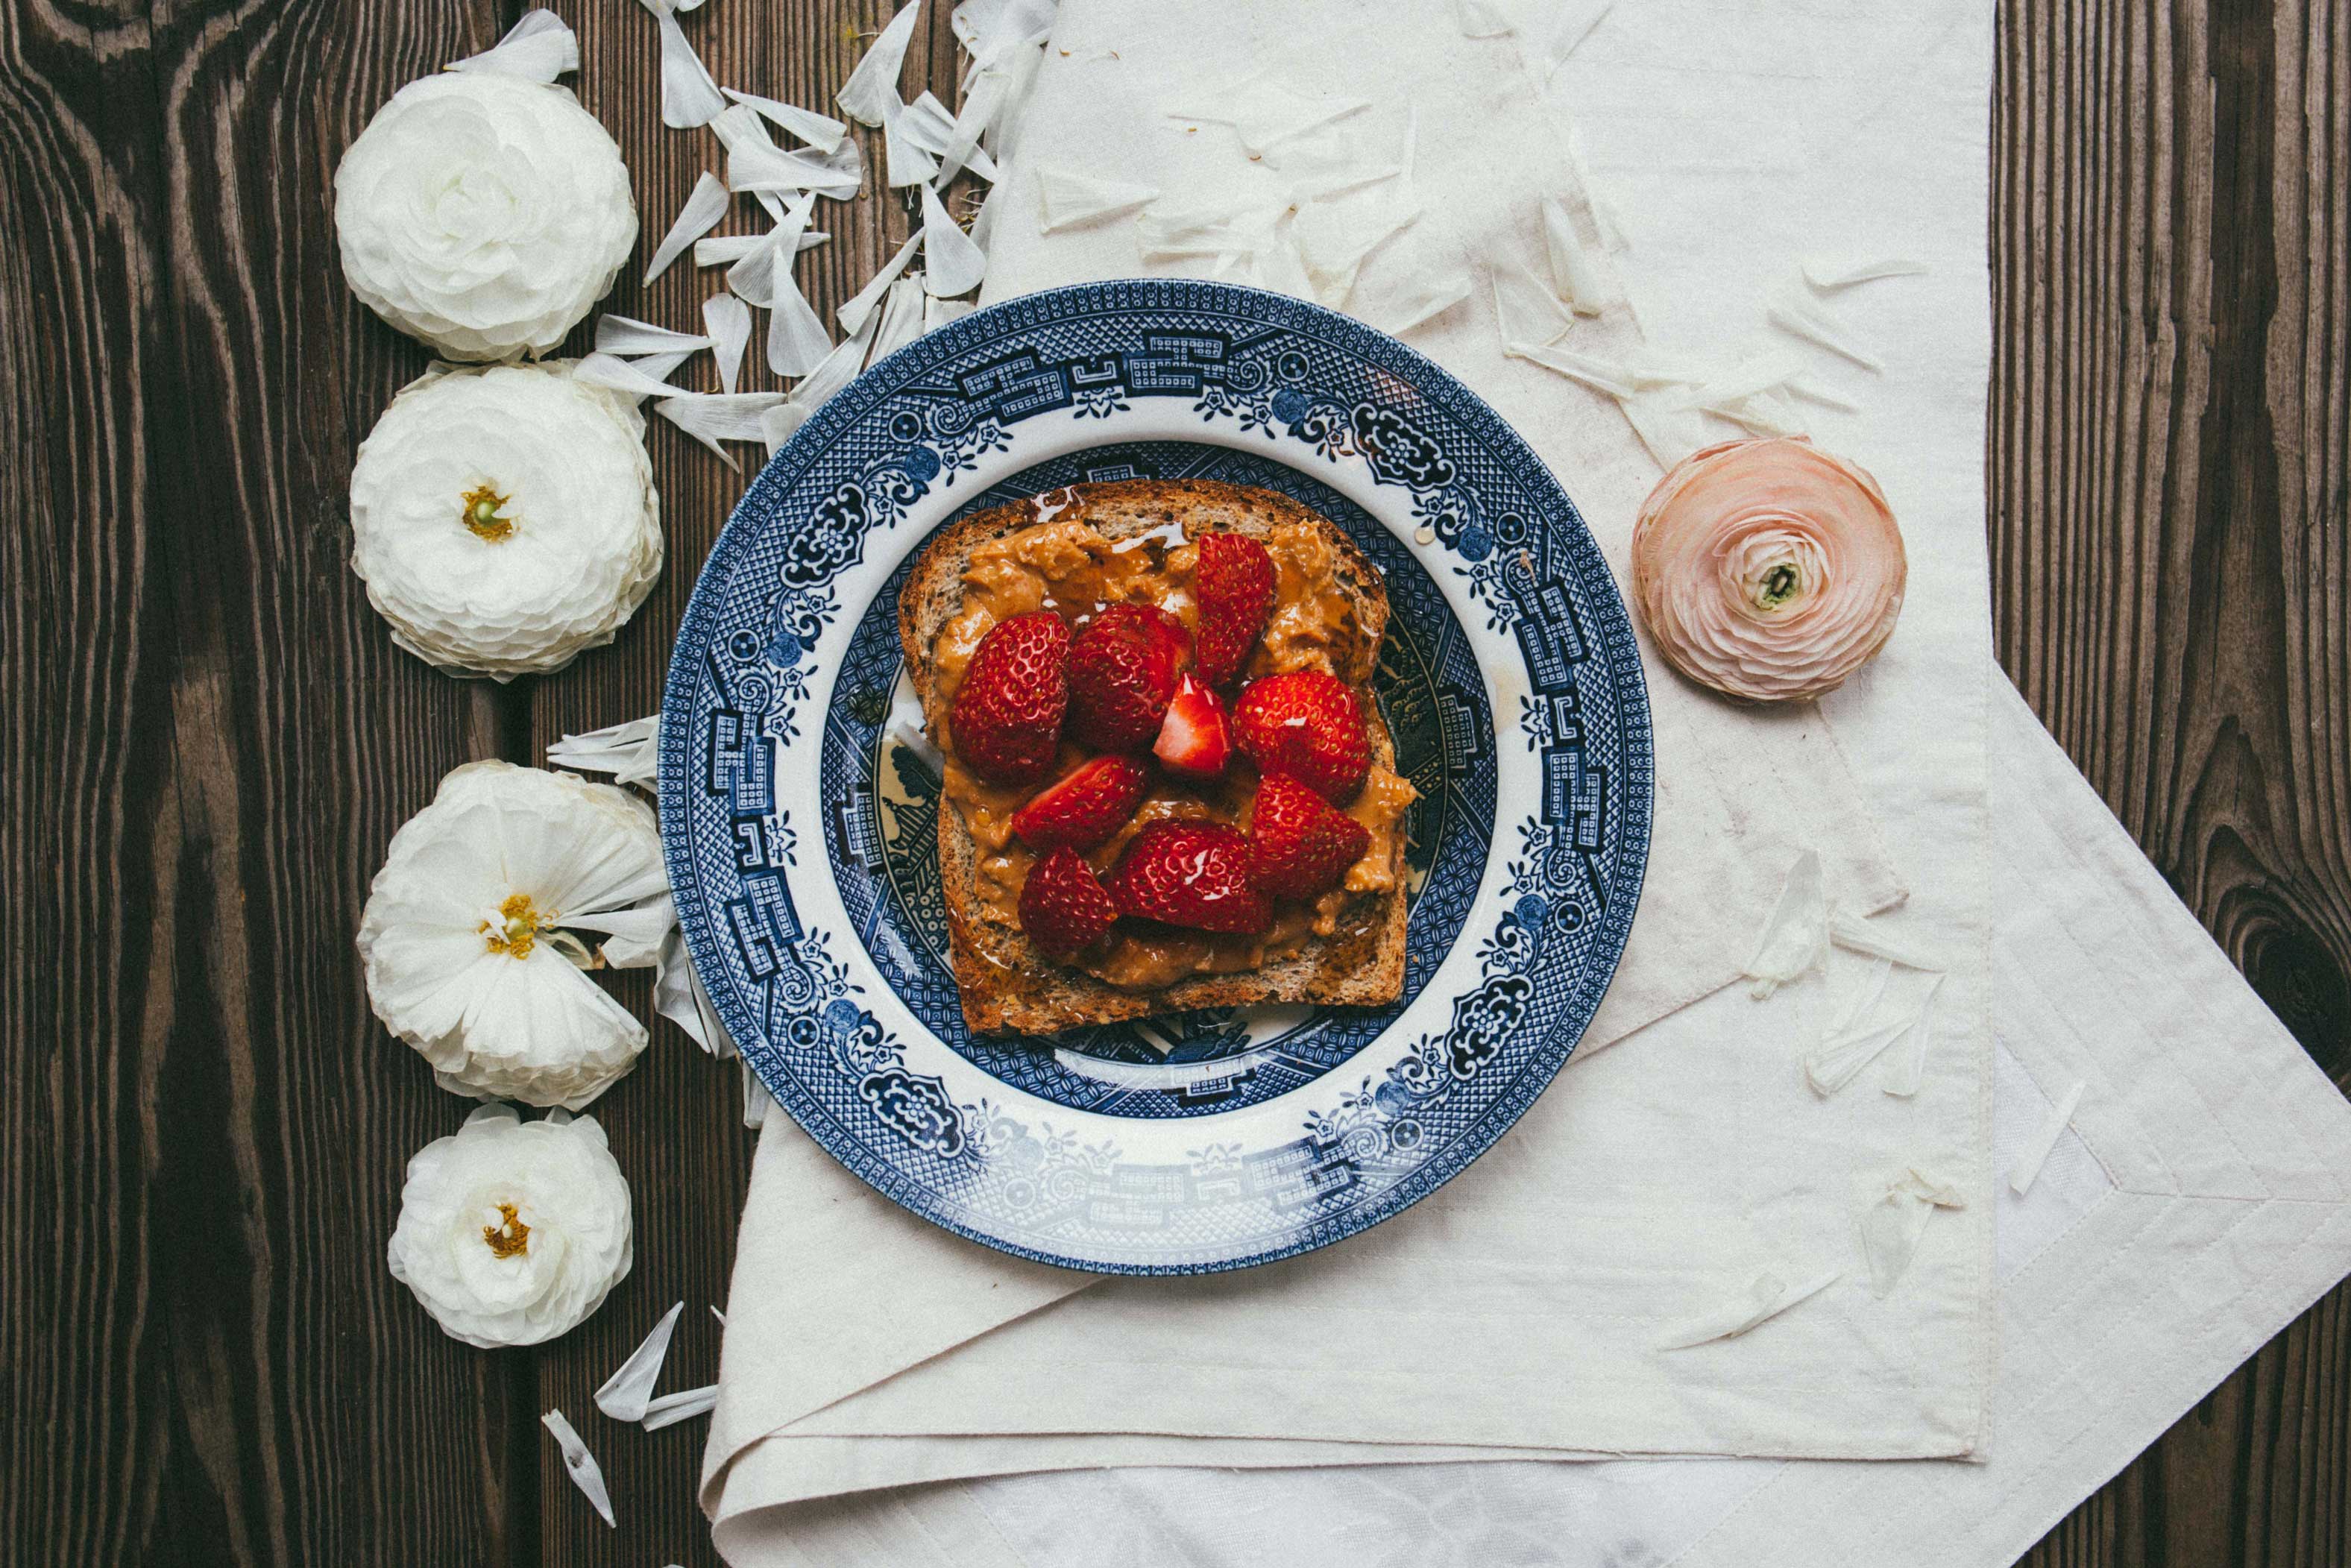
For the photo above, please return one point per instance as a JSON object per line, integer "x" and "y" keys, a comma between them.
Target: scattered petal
{"x": 539, "y": 49}
{"x": 630, "y": 752}
{"x": 627, "y": 337}
{"x": 873, "y": 87}
{"x": 1767, "y": 1299}
{"x": 1573, "y": 25}
{"x": 1862, "y": 937}
{"x": 763, "y": 274}
{"x": 901, "y": 317}
{"x": 853, "y": 314}
{"x": 1480, "y": 19}
{"x": 729, "y": 320}
{"x": 1890, "y": 1228}
{"x": 625, "y": 1394}
{"x": 581, "y": 1465}
{"x": 756, "y": 1101}
{"x": 779, "y": 425}
{"x": 704, "y": 208}
{"x": 1756, "y": 373}
{"x": 719, "y": 1315}
{"x": 1800, "y": 315}
{"x": 937, "y": 313}
{"x": 622, "y": 376}
{"x": 951, "y": 264}
{"x": 929, "y": 125}
{"x": 671, "y": 1408}
{"x": 821, "y": 132}
{"x": 990, "y": 29}
{"x": 796, "y": 340}
{"x": 2027, "y": 1169}
{"x": 1265, "y": 111}
{"x": 713, "y": 417}
{"x": 1795, "y": 938}
{"x": 907, "y": 164}
{"x": 678, "y": 997}
{"x": 1839, "y": 1058}
{"x": 1526, "y": 309}
{"x": 1828, "y": 276}
{"x": 1583, "y": 280}
{"x": 1430, "y": 298}
{"x": 689, "y": 97}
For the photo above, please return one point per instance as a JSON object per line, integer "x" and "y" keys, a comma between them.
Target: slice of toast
{"x": 1006, "y": 984}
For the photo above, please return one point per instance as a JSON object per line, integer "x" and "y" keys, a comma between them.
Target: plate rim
{"x": 839, "y": 412}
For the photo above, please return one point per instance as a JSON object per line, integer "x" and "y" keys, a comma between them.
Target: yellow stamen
{"x": 516, "y": 928}
{"x": 482, "y": 515}
{"x": 509, "y": 1240}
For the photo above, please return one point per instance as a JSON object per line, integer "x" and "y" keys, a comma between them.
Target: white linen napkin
{"x": 1522, "y": 1309}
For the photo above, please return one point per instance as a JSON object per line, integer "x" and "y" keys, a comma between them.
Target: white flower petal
{"x": 483, "y": 215}
{"x": 1829, "y": 276}
{"x": 1796, "y": 936}
{"x": 1480, "y": 19}
{"x": 872, "y": 87}
{"x": 852, "y": 313}
{"x": 512, "y": 1232}
{"x": 1799, "y": 315}
{"x": 678, "y": 996}
{"x": 671, "y": 1408}
{"x": 951, "y": 264}
{"x": 561, "y": 563}
{"x": 1525, "y": 309}
{"x": 729, "y": 320}
{"x": 705, "y": 206}
{"x": 630, "y": 752}
{"x": 538, "y": 48}
{"x": 1583, "y": 280}
{"x": 819, "y": 131}
{"x": 1766, "y": 1299}
{"x": 901, "y": 317}
{"x": 713, "y": 417}
{"x": 626, "y": 1392}
{"x": 581, "y": 1465}
{"x": 906, "y": 163}
{"x": 626, "y": 336}
{"x": 2027, "y": 1166}
{"x": 1066, "y": 198}
{"x": 689, "y": 97}
{"x": 937, "y": 313}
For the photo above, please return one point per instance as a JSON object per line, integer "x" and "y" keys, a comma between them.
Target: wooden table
{"x": 210, "y": 738}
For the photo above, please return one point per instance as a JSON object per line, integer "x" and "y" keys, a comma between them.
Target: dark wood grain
{"x": 2170, "y": 434}
{"x": 211, "y": 739}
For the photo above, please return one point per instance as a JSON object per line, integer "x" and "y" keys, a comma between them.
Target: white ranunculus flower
{"x": 503, "y": 518}
{"x": 470, "y": 940}
{"x": 511, "y": 1232}
{"x": 484, "y": 214}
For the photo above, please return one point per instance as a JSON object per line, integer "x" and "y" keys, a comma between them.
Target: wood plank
{"x": 2172, "y": 585}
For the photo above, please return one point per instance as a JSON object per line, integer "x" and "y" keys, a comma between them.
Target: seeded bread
{"x": 1006, "y": 983}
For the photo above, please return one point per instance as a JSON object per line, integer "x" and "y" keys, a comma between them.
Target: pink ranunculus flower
{"x": 1768, "y": 570}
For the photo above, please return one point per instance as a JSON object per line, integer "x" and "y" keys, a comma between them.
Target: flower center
{"x": 509, "y": 1238}
{"x": 482, "y": 510}
{"x": 514, "y": 929}
{"x": 1780, "y": 583}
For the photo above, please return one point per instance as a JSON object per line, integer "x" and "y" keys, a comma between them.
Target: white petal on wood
{"x": 835, "y": 175}
{"x": 821, "y": 132}
{"x": 840, "y": 368}
{"x": 626, "y": 336}
{"x": 671, "y": 1408}
{"x": 678, "y": 997}
{"x": 765, "y": 272}
{"x": 2027, "y": 1169}
{"x": 931, "y": 126}
{"x": 872, "y": 87}
{"x": 581, "y": 1465}
{"x": 1829, "y": 276}
{"x": 779, "y": 425}
{"x": 725, "y": 250}
{"x": 689, "y": 97}
{"x": 852, "y": 312}
{"x": 626, "y": 1392}
{"x": 901, "y": 318}
{"x": 713, "y": 417}
{"x": 990, "y": 29}
{"x": 539, "y": 47}
{"x": 1766, "y": 1299}
{"x": 906, "y": 163}
{"x": 756, "y": 1101}
{"x": 621, "y": 375}
{"x": 1066, "y": 198}
{"x": 952, "y": 265}
{"x": 796, "y": 340}
{"x": 1798, "y": 314}
{"x": 704, "y": 205}
{"x": 729, "y": 321}
{"x": 1796, "y": 936}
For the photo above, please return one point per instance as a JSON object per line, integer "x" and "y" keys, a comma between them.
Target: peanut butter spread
{"x": 1065, "y": 565}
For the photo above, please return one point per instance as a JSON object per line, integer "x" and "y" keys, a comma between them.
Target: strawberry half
{"x": 1064, "y": 906}
{"x": 1189, "y": 872}
{"x": 1084, "y": 807}
{"x": 1233, "y": 586}
{"x": 1123, "y": 669}
{"x": 1300, "y": 846}
{"x": 1006, "y": 723}
{"x": 1309, "y": 725}
{"x": 1194, "y": 739}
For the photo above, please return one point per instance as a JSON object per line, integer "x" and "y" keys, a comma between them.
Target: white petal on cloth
{"x": 1840, "y": 1058}
{"x": 2027, "y": 1169}
{"x": 1892, "y": 1227}
{"x": 1829, "y": 276}
{"x": 1796, "y": 938}
{"x": 1766, "y": 1299}
{"x": 581, "y": 1465}
{"x": 1798, "y": 314}
{"x": 624, "y": 1395}
{"x": 1068, "y": 197}
{"x": 538, "y": 48}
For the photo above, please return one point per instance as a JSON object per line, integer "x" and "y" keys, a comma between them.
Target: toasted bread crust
{"x": 1005, "y": 982}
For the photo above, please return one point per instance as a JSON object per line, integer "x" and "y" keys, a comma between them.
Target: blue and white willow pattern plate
{"x": 798, "y": 807}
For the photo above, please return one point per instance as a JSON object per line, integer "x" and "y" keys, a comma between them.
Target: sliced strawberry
{"x": 1064, "y": 906}
{"x": 1300, "y": 846}
{"x": 1194, "y": 739}
{"x": 1190, "y": 872}
{"x": 1085, "y": 805}
{"x": 1309, "y": 725}
{"x": 1233, "y": 586}
{"x": 1006, "y": 723}
{"x": 1123, "y": 669}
